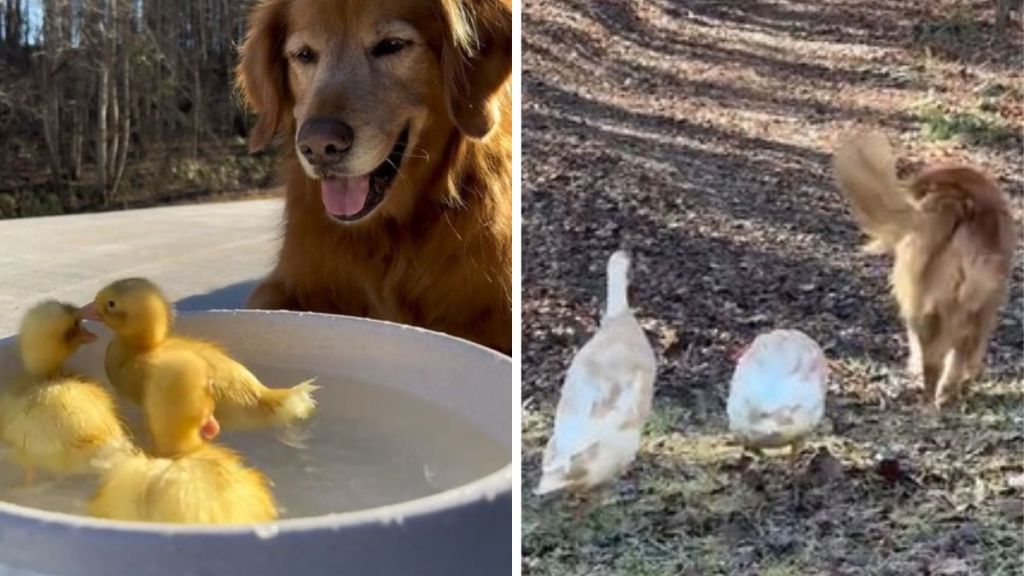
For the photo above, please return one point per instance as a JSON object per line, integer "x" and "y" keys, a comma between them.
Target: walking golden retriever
{"x": 953, "y": 238}
{"x": 395, "y": 119}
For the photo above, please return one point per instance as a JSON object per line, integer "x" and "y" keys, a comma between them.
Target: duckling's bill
{"x": 89, "y": 312}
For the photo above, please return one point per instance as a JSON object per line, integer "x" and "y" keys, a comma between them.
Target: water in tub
{"x": 377, "y": 446}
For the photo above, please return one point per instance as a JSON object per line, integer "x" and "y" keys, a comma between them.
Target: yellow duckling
{"x": 188, "y": 480}
{"x": 51, "y": 421}
{"x": 140, "y": 316}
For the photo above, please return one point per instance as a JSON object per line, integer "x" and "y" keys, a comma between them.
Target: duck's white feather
{"x": 606, "y": 399}
{"x": 777, "y": 394}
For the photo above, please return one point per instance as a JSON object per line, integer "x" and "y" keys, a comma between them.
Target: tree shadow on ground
{"x": 716, "y": 290}
{"x": 641, "y": 77}
{"x": 676, "y": 190}
{"x": 662, "y": 36}
{"x": 954, "y": 32}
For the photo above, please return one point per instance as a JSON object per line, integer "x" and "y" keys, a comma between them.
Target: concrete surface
{"x": 203, "y": 256}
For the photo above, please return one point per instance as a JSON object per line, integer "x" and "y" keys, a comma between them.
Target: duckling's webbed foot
{"x": 295, "y": 436}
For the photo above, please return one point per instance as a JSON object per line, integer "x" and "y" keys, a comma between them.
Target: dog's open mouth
{"x": 352, "y": 198}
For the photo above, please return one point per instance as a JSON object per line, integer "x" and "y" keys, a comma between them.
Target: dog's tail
{"x": 944, "y": 204}
{"x": 865, "y": 170}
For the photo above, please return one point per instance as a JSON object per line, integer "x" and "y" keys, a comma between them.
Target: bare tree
{"x": 124, "y": 126}
{"x": 14, "y": 25}
{"x": 102, "y": 97}
{"x": 1003, "y": 13}
{"x": 99, "y": 93}
{"x": 53, "y": 40}
{"x": 199, "y": 58}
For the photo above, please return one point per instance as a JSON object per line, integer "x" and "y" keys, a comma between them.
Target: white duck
{"x": 777, "y": 394}
{"x": 606, "y": 398}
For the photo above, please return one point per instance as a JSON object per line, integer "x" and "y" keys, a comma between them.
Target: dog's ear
{"x": 476, "y": 61}
{"x": 262, "y": 73}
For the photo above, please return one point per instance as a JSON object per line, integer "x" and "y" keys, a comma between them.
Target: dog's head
{"x": 360, "y": 88}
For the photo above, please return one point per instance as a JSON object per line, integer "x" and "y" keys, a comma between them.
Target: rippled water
{"x": 366, "y": 446}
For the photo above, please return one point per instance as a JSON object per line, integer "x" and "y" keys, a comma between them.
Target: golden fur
{"x": 437, "y": 251}
{"x": 952, "y": 236}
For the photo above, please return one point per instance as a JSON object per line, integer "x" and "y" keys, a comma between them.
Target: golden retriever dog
{"x": 396, "y": 123}
{"x": 952, "y": 237}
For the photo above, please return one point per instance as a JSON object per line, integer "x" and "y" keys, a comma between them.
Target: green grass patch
{"x": 974, "y": 126}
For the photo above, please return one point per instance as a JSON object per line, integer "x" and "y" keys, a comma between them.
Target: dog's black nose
{"x": 324, "y": 140}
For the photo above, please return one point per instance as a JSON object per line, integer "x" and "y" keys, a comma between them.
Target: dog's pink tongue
{"x": 345, "y": 196}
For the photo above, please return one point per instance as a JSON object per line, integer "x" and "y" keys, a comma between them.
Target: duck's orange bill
{"x": 89, "y": 312}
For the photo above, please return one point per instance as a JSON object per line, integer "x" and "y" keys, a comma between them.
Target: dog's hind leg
{"x": 925, "y": 331}
{"x": 965, "y": 360}
{"x": 968, "y": 347}
{"x": 954, "y": 373}
{"x": 915, "y": 361}
{"x": 987, "y": 320}
{"x": 932, "y": 371}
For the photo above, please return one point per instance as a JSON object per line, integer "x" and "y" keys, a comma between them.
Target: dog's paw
{"x": 948, "y": 398}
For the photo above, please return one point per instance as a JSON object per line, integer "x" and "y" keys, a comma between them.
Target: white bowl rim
{"x": 486, "y": 488}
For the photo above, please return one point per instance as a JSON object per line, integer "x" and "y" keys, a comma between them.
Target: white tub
{"x": 462, "y": 530}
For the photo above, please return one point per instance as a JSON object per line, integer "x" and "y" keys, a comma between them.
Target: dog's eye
{"x": 389, "y": 46}
{"x": 306, "y": 56}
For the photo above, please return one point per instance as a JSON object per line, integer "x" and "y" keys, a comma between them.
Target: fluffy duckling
{"x": 606, "y": 398}
{"x": 189, "y": 480}
{"x": 140, "y": 316}
{"x": 51, "y": 421}
{"x": 777, "y": 394}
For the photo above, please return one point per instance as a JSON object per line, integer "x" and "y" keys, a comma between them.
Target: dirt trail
{"x": 698, "y": 135}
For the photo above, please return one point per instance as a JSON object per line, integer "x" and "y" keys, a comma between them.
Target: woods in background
{"x": 119, "y": 102}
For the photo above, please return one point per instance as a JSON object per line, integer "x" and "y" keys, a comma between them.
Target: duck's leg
{"x": 583, "y": 505}
{"x": 795, "y": 448}
{"x": 30, "y": 476}
{"x": 757, "y": 452}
